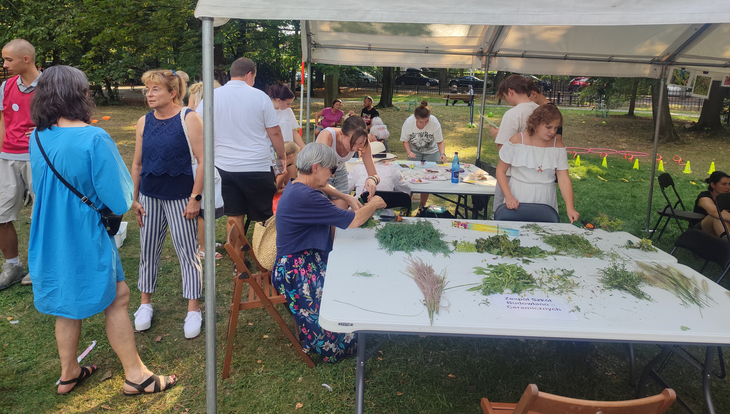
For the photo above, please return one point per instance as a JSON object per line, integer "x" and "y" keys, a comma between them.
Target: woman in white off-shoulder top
{"x": 536, "y": 157}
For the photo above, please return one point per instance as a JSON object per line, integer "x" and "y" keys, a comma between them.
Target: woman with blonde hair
{"x": 196, "y": 94}
{"x": 165, "y": 192}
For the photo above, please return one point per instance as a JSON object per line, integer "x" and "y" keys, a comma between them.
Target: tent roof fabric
{"x": 622, "y": 38}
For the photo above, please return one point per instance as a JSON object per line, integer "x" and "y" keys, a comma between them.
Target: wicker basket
{"x": 264, "y": 242}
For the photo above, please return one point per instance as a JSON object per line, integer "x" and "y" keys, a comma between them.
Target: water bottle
{"x": 455, "y": 169}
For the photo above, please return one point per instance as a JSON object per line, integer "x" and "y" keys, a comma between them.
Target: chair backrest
{"x": 665, "y": 180}
{"x": 540, "y": 213}
{"x": 706, "y": 246}
{"x": 393, "y": 199}
{"x": 722, "y": 201}
{"x": 237, "y": 246}
{"x": 534, "y": 401}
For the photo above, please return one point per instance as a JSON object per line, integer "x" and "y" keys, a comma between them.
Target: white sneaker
{"x": 26, "y": 280}
{"x": 143, "y": 317}
{"x": 192, "y": 324}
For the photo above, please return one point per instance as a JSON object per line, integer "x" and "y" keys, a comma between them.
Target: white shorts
{"x": 15, "y": 178}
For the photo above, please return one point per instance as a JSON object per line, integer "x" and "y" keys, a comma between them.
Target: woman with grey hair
{"x": 304, "y": 237}
{"x": 76, "y": 286}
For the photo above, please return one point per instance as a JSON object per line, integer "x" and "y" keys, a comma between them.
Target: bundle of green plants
{"x": 643, "y": 245}
{"x": 464, "y": 246}
{"x": 370, "y": 223}
{"x": 535, "y": 228}
{"x": 431, "y": 284}
{"x": 607, "y": 223}
{"x": 502, "y": 245}
{"x": 618, "y": 277}
{"x": 504, "y": 277}
{"x": 572, "y": 244}
{"x": 559, "y": 281}
{"x": 671, "y": 279}
{"x": 409, "y": 237}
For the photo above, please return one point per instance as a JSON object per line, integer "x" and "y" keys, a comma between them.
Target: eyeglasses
{"x": 153, "y": 91}
{"x": 333, "y": 170}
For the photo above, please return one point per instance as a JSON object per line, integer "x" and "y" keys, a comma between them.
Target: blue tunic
{"x": 74, "y": 263}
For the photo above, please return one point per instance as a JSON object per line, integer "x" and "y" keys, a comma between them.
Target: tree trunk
{"x": 711, "y": 109}
{"x": 386, "y": 94}
{"x": 632, "y": 102}
{"x": 293, "y": 79}
{"x": 331, "y": 86}
{"x": 666, "y": 127}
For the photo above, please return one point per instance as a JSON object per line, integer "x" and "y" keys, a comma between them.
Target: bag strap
{"x": 83, "y": 198}
{"x": 184, "y": 112}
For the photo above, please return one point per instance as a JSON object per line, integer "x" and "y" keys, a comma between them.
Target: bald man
{"x": 15, "y": 128}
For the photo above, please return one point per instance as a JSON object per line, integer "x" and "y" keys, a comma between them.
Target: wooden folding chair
{"x": 537, "y": 402}
{"x": 261, "y": 294}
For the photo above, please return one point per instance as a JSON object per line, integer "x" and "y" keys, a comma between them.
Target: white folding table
{"x": 390, "y": 302}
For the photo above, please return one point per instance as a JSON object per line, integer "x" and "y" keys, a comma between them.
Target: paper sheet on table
{"x": 533, "y": 307}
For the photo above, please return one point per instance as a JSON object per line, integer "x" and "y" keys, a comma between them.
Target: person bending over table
{"x": 75, "y": 264}
{"x": 331, "y": 117}
{"x": 718, "y": 182}
{"x": 352, "y": 137}
{"x": 536, "y": 156}
{"x": 304, "y": 239}
{"x": 422, "y": 139}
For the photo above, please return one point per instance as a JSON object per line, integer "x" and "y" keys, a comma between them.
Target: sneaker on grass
{"x": 26, "y": 280}
{"x": 192, "y": 324}
{"x": 143, "y": 317}
{"x": 10, "y": 275}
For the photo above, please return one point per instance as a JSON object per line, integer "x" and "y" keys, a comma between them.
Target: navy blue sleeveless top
{"x": 166, "y": 170}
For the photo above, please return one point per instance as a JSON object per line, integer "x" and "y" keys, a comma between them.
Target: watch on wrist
{"x": 197, "y": 197}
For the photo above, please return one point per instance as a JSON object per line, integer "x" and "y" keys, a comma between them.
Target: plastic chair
{"x": 537, "y": 402}
{"x": 532, "y": 212}
{"x": 393, "y": 199}
{"x": 670, "y": 211}
{"x": 261, "y": 294}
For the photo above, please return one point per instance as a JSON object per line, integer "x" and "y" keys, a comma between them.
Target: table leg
{"x": 360, "y": 374}
{"x": 707, "y": 377}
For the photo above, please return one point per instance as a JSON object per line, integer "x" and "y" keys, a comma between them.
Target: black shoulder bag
{"x": 110, "y": 220}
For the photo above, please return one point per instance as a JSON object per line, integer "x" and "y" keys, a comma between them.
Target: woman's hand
{"x": 411, "y": 154}
{"x": 370, "y": 187}
{"x": 192, "y": 210}
{"x": 573, "y": 215}
{"x": 353, "y": 202}
{"x": 442, "y": 158}
{"x": 511, "y": 202}
{"x": 378, "y": 202}
{"x": 138, "y": 212}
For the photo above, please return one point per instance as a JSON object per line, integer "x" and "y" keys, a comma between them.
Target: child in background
{"x": 291, "y": 149}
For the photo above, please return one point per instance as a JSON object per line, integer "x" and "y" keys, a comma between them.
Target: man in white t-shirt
{"x": 246, "y": 126}
{"x": 516, "y": 91}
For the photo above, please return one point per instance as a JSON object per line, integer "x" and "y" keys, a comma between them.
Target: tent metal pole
{"x": 301, "y": 97}
{"x": 211, "y": 392}
{"x": 484, "y": 99}
{"x": 309, "y": 96}
{"x": 657, "y": 124}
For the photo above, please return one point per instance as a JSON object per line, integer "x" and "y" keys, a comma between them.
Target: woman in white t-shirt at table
{"x": 536, "y": 157}
{"x": 282, "y": 98}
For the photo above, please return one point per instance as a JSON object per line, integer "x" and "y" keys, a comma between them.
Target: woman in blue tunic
{"x": 75, "y": 263}
{"x": 304, "y": 221}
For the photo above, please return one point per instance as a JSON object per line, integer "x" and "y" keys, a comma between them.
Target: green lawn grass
{"x": 409, "y": 374}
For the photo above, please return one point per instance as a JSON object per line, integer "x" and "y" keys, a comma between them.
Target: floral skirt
{"x": 300, "y": 278}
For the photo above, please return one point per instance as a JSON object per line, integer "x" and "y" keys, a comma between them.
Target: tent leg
{"x": 309, "y": 96}
{"x": 481, "y": 111}
{"x": 211, "y": 392}
{"x": 657, "y": 124}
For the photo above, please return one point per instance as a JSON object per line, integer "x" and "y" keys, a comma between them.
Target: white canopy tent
{"x": 620, "y": 38}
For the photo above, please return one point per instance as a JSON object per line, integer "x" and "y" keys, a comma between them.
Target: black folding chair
{"x": 707, "y": 247}
{"x": 393, "y": 199}
{"x": 532, "y": 212}
{"x": 670, "y": 211}
{"x": 722, "y": 202}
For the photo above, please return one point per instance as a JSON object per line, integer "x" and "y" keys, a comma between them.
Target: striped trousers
{"x": 162, "y": 214}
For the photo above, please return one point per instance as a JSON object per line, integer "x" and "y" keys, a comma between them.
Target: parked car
{"x": 412, "y": 77}
{"x": 578, "y": 83}
{"x": 546, "y": 86}
{"x": 366, "y": 77}
{"x": 469, "y": 80}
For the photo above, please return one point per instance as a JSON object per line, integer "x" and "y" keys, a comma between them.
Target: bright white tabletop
{"x": 390, "y": 301}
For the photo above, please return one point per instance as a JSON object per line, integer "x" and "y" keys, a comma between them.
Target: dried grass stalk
{"x": 431, "y": 284}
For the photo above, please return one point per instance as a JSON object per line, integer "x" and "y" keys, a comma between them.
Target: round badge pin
{"x": 16, "y": 108}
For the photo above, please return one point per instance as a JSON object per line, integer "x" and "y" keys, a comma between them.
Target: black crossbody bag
{"x": 110, "y": 220}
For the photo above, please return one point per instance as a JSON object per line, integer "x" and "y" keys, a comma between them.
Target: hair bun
{"x": 424, "y": 103}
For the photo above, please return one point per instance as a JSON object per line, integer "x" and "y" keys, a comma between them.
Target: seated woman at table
{"x": 346, "y": 141}
{"x": 537, "y": 156}
{"x": 718, "y": 182}
{"x": 422, "y": 139}
{"x": 331, "y": 117}
{"x": 304, "y": 239}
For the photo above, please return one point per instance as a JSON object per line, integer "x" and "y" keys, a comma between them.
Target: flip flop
{"x": 162, "y": 383}
{"x": 86, "y": 371}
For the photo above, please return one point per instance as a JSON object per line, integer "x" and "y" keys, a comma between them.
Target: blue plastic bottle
{"x": 455, "y": 169}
